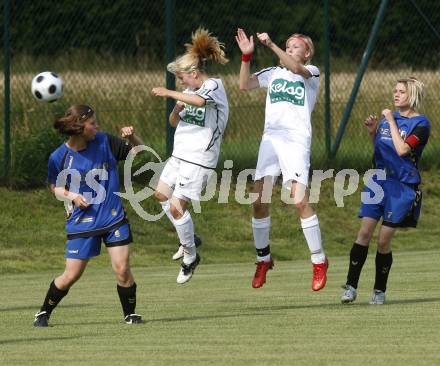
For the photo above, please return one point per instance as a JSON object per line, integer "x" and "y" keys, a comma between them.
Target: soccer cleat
{"x": 41, "y": 319}
{"x": 134, "y": 319}
{"x": 260, "y": 273}
{"x": 179, "y": 253}
{"x": 319, "y": 275}
{"x": 187, "y": 270}
{"x": 349, "y": 294}
{"x": 378, "y": 298}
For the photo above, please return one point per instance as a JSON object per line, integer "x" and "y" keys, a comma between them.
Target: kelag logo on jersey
{"x": 194, "y": 115}
{"x": 287, "y": 91}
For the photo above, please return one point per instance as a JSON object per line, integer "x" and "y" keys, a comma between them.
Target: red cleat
{"x": 319, "y": 275}
{"x": 260, "y": 273}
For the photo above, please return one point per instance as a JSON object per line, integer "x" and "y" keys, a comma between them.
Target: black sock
{"x": 263, "y": 252}
{"x": 383, "y": 266}
{"x": 127, "y": 296}
{"x": 358, "y": 255}
{"x": 53, "y": 297}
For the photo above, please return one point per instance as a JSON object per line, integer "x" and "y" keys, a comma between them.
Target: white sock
{"x": 261, "y": 229}
{"x": 312, "y": 234}
{"x": 166, "y": 208}
{"x": 185, "y": 231}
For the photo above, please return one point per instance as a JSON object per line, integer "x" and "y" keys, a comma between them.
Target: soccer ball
{"x": 47, "y": 87}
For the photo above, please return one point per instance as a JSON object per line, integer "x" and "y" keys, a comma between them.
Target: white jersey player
{"x": 201, "y": 115}
{"x": 292, "y": 89}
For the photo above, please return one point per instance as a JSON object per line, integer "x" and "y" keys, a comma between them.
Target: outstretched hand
{"x": 246, "y": 44}
{"x": 160, "y": 92}
{"x": 264, "y": 39}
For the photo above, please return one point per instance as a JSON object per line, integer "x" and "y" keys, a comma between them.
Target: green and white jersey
{"x": 200, "y": 130}
{"x": 290, "y": 100}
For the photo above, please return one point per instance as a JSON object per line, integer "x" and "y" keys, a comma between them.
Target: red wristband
{"x": 246, "y": 58}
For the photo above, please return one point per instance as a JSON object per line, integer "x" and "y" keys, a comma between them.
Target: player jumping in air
{"x": 292, "y": 88}
{"x": 201, "y": 115}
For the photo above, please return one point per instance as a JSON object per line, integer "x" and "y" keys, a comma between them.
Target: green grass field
{"x": 32, "y": 235}
{"x": 218, "y": 319}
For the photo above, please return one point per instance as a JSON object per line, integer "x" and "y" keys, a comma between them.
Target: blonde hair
{"x": 416, "y": 91}
{"x": 307, "y": 42}
{"x": 203, "y": 48}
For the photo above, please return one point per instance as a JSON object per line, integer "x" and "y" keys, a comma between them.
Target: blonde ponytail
{"x": 203, "y": 48}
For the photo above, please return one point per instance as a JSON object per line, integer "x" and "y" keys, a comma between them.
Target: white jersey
{"x": 200, "y": 130}
{"x": 290, "y": 100}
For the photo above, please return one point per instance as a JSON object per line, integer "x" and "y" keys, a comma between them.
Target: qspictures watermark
{"x": 346, "y": 183}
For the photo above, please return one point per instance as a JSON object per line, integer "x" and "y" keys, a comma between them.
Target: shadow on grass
{"x": 263, "y": 310}
{"x": 28, "y": 340}
{"x": 37, "y": 306}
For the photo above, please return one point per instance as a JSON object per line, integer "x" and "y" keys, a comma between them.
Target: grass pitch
{"x": 218, "y": 319}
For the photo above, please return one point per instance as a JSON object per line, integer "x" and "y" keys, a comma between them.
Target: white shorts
{"x": 186, "y": 179}
{"x": 283, "y": 154}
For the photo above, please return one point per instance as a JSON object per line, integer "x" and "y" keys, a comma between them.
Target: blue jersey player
{"x": 399, "y": 139}
{"x": 83, "y": 173}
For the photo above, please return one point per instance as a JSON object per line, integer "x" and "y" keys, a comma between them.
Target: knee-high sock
{"x": 166, "y": 208}
{"x": 53, "y": 297}
{"x": 185, "y": 230}
{"x": 261, "y": 229}
{"x": 312, "y": 234}
{"x": 127, "y": 296}
{"x": 383, "y": 266}
{"x": 358, "y": 256}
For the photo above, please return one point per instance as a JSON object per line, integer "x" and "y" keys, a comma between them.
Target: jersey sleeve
{"x": 419, "y": 136}
{"x": 264, "y": 76}
{"x": 313, "y": 80}
{"x": 119, "y": 147}
{"x": 210, "y": 92}
{"x": 55, "y": 165}
{"x": 53, "y": 169}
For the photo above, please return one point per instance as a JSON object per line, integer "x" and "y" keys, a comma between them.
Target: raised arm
{"x": 192, "y": 99}
{"x": 247, "y": 81}
{"x": 293, "y": 65}
{"x": 128, "y": 133}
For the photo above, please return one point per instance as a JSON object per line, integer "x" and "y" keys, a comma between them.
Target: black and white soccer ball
{"x": 47, "y": 87}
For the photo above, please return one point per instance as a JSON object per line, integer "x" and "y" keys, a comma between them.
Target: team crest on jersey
{"x": 282, "y": 90}
{"x": 402, "y": 134}
{"x": 194, "y": 115}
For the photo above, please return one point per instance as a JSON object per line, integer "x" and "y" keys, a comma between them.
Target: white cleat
{"x": 378, "y": 298}
{"x": 178, "y": 254}
{"x": 349, "y": 294}
{"x": 187, "y": 270}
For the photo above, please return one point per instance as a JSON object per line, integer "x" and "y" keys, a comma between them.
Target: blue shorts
{"x": 399, "y": 207}
{"x": 85, "y": 248}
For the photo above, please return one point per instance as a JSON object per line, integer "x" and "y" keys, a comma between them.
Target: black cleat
{"x": 41, "y": 319}
{"x": 134, "y": 319}
{"x": 187, "y": 270}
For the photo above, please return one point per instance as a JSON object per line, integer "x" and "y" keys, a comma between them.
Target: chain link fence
{"x": 111, "y": 54}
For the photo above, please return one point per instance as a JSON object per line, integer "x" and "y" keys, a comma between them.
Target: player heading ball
{"x": 200, "y": 115}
